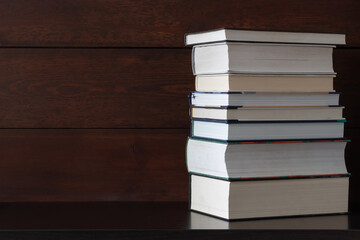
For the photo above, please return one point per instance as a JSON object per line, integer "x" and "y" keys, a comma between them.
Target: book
{"x": 266, "y": 159}
{"x": 238, "y": 35}
{"x": 269, "y": 198}
{"x": 261, "y": 99}
{"x": 261, "y": 58}
{"x": 264, "y": 83}
{"x": 267, "y": 113}
{"x": 266, "y": 130}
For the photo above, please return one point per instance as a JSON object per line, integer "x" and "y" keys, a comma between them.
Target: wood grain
{"x": 118, "y": 88}
{"x": 346, "y": 62}
{"x": 96, "y": 215}
{"x": 95, "y": 88}
{"x": 159, "y": 23}
{"x": 108, "y": 165}
{"x": 103, "y": 85}
{"x": 92, "y": 165}
{"x": 352, "y": 156}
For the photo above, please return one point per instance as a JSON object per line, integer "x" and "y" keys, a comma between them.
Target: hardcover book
{"x": 267, "y": 113}
{"x": 269, "y": 197}
{"x": 261, "y": 99}
{"x": 264, "y": 83}
{"x": 267, "y": 130}
{"x": 246, "y": 159}
{"x": 261, "y": 58}
{"x": 237, "y": 35}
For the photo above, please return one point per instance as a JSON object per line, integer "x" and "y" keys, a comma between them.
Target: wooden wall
{"x": 93, "y": 94}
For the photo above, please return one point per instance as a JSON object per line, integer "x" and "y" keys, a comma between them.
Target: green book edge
{"x": 271, "y": 177}
{"x": 266, "y": 142}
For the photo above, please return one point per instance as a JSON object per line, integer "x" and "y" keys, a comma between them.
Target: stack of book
{"x": 266, "y": 129}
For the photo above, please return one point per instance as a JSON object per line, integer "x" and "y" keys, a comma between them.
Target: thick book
{"x": 267, "y": 130}
{"x": 267, "y": 159}
{"x": 269, "y": 198}
{"x": 237, "y": 35}
{"x": 267, "y": 113}
{"x": 262, "y": 99}
{"x": 261, "y": 58}
{"x": 264, "y": 83}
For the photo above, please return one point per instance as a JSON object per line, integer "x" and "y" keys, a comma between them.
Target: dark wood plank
{"x": 93, "y": 165}
{"x": 98, "y": 215}
{"x": 352, "y": 156}
{"x": 108, "y": 165}
{"x": 163, "y": 23}
{"x": 95, "y": 88}
{"x": 118, "y": 88}
{"x": 346, "y": 64}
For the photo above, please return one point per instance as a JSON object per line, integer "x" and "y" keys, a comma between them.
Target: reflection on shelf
{"x": 339, "y": 222}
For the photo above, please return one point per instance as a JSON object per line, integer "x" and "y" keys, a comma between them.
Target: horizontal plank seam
{"x": 40, "y": 128}
{"x": 130, "y": 47}
{"x": 154, "y": 128}
{"x": 97, "y": 47}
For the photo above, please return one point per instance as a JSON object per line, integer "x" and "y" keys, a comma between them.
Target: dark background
{"x": 93, "y": 94}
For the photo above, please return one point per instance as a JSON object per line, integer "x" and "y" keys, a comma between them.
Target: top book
{"x": 221, "y": 35}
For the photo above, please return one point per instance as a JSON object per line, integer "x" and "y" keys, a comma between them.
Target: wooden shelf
{"x": 156, "y": 220}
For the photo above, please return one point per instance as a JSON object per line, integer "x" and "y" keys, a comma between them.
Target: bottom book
{"x": 262, "y": 198}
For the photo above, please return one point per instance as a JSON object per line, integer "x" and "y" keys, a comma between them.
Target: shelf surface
{"x": 146, "y": 220}
{"x": 148, "y": 215}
